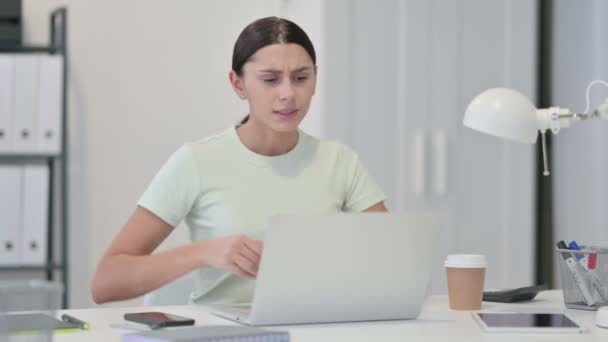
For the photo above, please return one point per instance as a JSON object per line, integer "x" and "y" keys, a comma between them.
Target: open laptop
{"x": 341, "y": 267}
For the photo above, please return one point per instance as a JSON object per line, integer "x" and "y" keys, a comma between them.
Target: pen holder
{"x": 584, "y": 276}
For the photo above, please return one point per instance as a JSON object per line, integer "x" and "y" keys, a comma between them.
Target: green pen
{"x": 70, "y": 319}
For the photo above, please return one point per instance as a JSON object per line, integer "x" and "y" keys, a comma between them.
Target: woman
{"x": 226, "y": 187}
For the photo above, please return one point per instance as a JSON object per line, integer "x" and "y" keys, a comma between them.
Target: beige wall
{"x": 145, "y": 76}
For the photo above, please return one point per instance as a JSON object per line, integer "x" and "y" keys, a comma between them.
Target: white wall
{"x": 146, "y": 76}
{"x": 580, "y": 161}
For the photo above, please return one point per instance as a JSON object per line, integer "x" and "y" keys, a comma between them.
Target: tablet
{"x": 526, "y": 322}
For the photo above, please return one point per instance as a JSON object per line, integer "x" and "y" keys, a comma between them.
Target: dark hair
{"x": 264, "y": 32}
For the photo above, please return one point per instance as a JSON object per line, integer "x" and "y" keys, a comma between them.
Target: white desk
{"x": 436, "y": 323}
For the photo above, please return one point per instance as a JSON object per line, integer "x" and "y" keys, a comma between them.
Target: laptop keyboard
{"x": 240, "y": 311}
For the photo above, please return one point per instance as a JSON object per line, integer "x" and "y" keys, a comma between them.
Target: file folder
{"x": 37, "y": 325}
{"x": 7, "y": 73}
{"x": 10, "y": 214}
{"x": 35, "y": 214}
{"x": 26, "y": 103}
{"x": 50, "y": 104}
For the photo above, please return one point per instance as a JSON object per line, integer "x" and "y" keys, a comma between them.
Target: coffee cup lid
{"x": 466, "y": 261}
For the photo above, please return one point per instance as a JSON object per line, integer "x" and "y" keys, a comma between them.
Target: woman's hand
{"x": 238, "y": 254}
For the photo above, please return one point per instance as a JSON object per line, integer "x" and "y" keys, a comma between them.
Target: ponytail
{"x": 243, "y": 121}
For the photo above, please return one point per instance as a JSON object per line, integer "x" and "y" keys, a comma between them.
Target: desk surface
{"x": 436, "y": 322}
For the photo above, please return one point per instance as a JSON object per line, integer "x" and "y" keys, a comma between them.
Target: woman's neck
{"x": 265, "y": 141}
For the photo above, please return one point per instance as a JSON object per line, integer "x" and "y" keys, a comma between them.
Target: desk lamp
{"x": 508, "y": 114}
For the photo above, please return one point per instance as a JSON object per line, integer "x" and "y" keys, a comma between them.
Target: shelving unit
{"x": 57, "y": 163}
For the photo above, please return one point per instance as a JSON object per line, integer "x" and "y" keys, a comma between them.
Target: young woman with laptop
{"x": 226, "y": 187}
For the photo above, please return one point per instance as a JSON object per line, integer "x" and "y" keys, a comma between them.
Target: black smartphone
{"x": 158, "y": 319}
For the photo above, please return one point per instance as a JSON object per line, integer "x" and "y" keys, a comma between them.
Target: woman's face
{"x": 278, "y": 82}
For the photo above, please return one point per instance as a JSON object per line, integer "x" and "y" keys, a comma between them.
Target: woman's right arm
{"x": 129, "y": 269}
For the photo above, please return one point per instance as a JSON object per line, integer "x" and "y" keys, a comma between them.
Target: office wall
{"x": 580, "y": 161}
{"x": 145, "y": 76}
{"x": 401, "y": 77}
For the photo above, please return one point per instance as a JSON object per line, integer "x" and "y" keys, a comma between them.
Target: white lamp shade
{"x": 503, "y": 112}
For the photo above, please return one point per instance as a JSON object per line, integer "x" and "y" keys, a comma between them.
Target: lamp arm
{"x": 575, "y": 116}
{"x": 555, "y": 118}
{"x": 602, "y": 110}
{"x": 588, "y": 102}
{"x": 564, "y": 117}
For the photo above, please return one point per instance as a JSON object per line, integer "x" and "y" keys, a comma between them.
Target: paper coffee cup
{"x": 466, "y": 275}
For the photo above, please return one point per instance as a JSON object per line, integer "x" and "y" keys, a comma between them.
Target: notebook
{"x": 32, "y": 323}
{"x": 209, "y": 333}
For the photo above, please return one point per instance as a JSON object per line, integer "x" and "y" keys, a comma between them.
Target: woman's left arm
{"x": 378, "y": 207}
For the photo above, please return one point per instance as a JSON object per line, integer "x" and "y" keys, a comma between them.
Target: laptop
{"x": 341, "y": 267}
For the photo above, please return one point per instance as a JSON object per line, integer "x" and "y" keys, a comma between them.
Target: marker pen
{"x": 71, "y": 319}
{"x": 582, "y": 258}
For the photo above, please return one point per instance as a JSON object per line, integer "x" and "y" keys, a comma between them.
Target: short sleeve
{"x": 174, "y": 189}
{"x": 362, "y": 191}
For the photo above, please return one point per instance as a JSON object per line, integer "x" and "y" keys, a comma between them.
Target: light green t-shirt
{"x": 221, "y": 188}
